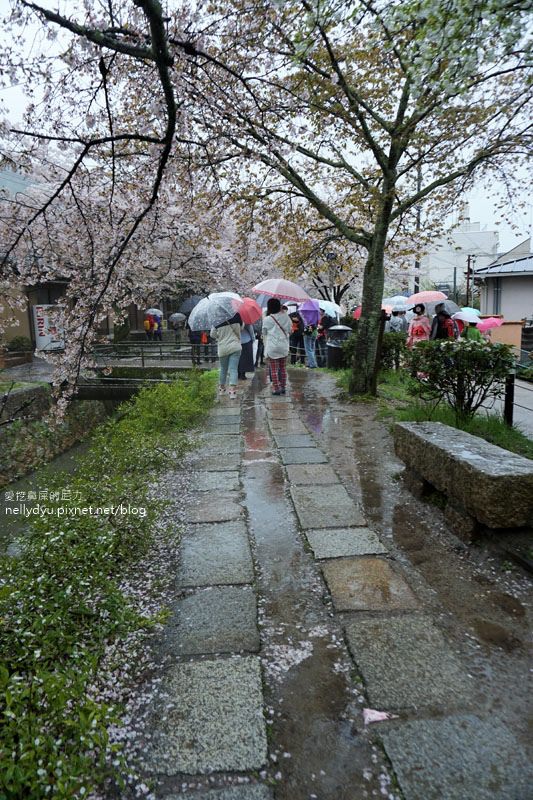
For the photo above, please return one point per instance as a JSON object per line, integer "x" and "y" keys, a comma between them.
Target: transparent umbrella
{"x": 214, "y": 310}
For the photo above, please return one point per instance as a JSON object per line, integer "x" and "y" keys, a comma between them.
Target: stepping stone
{"x": 458, "y": 758}
{"x": 339, "y": 542}
{"x": 325, "y": 506}
{"x": 227, "y": 412}
{"x": 215, "y": 507}
{"x": 367, "y": 584}
{"x": 287, "y": 426}
{"x": 216, "y": 554}
{"x": 217, "y": 462}
{"x": 294, "y": 440}
{"x": 406, "y": 663}
{"x": 215, "y": 720}
{"x": 219, "y": 443}
{"x": 302, "y": 455}
{"x": 207, "y": 481}
{"x": 255, "y": 791}
{"x": 220, "y": 619}
{"x": 311, "y": 474}
{"x": 216, "y": 429}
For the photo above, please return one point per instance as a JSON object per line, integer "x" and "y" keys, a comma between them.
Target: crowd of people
{"x": 442, "y": 326}
{"x": 281, "y": 335}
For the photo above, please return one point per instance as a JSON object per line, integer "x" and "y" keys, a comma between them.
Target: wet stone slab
{"x": 219, "y": 443}
{"x": 407, "y": 663}
{"x": 216, "y": 462}
{"x": 216, "y": 554}
{"x": 325, "y": 506}
{"x": 220, "y": 619}
{"x": 226, "y": 413}
{"x": 287, "y": 426}
{"x": 294, "y": 440}
{"x": 339, "y": 542}
{"x": 302, "y": 455}
{"x": 250, "y": 792}
{"x": 311, "y": 474}
{"x": 208, "y": 481}
{"x": 215, "y": 507}
{"x": 216, "y": 429}
{"x": 458, "y": 758}
{"x": 367, "y": 584}
{"x": 215, "y": 721}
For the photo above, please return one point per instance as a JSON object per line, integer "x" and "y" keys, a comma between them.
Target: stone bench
{"x": 484, "y": 484}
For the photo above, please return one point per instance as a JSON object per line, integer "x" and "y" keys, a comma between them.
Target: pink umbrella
{"x": 279, "y": 287}
{"x": 250, "y": 311}
{"x": 491, "y": 322}
{"x": 426, "y": 297}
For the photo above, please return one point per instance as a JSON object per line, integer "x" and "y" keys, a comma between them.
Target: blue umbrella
{"x": 187, "y": 306}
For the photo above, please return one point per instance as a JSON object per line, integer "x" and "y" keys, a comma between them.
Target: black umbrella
{"x": 187, "y": 306}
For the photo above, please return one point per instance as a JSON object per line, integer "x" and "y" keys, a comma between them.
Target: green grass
{"x": 397, "y": 403}
{"x": 60, "y": 601}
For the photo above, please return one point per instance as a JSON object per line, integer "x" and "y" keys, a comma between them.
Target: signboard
{"x": 48, "y": 334}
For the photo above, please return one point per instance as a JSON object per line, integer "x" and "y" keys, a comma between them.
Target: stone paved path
{"x": 292, "y": 615}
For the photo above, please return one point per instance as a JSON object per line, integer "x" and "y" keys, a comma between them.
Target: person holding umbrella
{"x": 276, "y": 331}
{"x": 227, "y": 335}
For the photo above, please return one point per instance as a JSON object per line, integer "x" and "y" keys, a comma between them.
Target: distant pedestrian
{"x": 246, "y": 361}
{"x": 310, "y": 334}
{"x": 276, "y": 332}
{"x": 228, "y": 339}
{"x": 324, "y": 324}
{"x": 149, "y": 326}
{"x": 260, "y": 354}
{"x": 195, "y": 338}
{"x": 296, "y": 340}
{"x": 471, "y": 333}
{"x": 419, "y": 327}
{"x": 443, "y": 326}
{"x": 158, "y": 329}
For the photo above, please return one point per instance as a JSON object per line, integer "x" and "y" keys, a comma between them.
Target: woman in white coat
{"x": 276, "y": 332}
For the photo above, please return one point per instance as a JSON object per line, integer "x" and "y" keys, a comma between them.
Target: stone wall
{"x": 28, "y": 444}
{"x": 39, "y": 398}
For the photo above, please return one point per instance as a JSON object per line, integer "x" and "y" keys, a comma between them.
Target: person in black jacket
{"x": 296, "y": 338}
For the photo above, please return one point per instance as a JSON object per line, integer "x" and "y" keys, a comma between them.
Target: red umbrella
{"x": 385, "y": 307}
{"x": 250, "y": 311}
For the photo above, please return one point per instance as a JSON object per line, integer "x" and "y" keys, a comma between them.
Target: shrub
{"x": 61, "y": 604}
{"x": 19, "y": 344}
{"x": 463, "y": 374}
{"x": 393, "y": 350}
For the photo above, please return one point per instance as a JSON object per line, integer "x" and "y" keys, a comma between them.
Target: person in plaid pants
{"x": 276, "y": 331}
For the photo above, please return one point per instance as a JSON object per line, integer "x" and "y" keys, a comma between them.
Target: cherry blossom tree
{"x": 363, "y": 111}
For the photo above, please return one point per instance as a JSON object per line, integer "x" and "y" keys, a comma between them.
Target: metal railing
{"x": 154, "y": 351}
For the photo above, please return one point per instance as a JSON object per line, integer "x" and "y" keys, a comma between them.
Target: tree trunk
{"x": 363, "y": 379}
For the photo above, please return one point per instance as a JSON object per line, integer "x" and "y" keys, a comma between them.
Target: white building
{"x": 506, "y": 285}
{"x": 446, "y": 262}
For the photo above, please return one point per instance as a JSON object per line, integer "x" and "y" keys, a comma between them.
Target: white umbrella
{"x": 177, "y": 317}
{"x": 330, "y": 308}
{"x": 155, "y": 311}
{"x": 214, "y": 310}
{"x": 467, "y": 316}
{"x": 395, "y": 300}
{"x": 279, "y": 287}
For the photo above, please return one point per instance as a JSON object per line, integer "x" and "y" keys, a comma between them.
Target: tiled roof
{"x": 518, "y": 266}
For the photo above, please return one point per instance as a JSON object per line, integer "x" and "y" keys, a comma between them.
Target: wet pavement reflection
{"x": 318, "y": 747}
